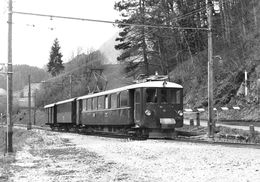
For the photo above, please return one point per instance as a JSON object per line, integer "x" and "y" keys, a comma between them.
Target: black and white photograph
{"x": 130, "y": 90}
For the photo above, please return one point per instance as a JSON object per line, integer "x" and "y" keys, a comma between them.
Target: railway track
{"x": 180, "y": 138}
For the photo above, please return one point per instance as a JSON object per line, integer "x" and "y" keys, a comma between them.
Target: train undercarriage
{"x": 120, "y": 131}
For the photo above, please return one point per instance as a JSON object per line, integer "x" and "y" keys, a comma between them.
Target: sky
{"x": 33, "y": 36}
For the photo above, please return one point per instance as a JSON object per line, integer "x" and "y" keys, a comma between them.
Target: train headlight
{"x": 148, "y": 112}
{"x": 180, "y": 113}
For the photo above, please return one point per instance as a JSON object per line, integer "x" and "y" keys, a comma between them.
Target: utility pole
{"x": 210, "y": 72}
{"x": 34, "y": 116}
{"x": 29, "y": 124}
{"x": 9, "y": 130}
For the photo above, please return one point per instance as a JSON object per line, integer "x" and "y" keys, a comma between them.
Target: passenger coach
{"x": 62, "y": 115}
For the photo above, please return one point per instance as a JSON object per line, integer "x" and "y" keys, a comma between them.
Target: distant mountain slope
{"x": 109, "y": 51}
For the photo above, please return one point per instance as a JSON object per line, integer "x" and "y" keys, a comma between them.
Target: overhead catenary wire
{"x": 190, "y": 13}
{"x": 149, "y": 26}
{"x": 108, "y": 22}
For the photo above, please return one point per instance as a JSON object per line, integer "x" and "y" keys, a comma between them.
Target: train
{"x": 148, "y": 109}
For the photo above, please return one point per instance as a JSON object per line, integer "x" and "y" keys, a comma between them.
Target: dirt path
{"x": 72, "y": 157}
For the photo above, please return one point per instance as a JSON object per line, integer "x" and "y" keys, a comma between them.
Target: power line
{"x": 190, "y": 13}
{"x": 109, "y": 22}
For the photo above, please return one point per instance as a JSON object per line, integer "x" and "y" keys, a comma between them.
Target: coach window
{"x": 114, "y": 101}
{"x": 124, "y": 98}
{"x": 95, "y": 103}
{"x": 89, "y": 104}
{"x": 137, "y": 96}
{"x": 84, "y": 105}
{"x": 101, "y": 102}
{"x": 151, "y": 95}
{"x": 107, "y": 102}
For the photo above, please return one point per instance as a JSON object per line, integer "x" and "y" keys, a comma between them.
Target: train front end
{"x": 162, "y": 109}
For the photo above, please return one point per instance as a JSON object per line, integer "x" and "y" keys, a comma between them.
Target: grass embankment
{"x": 23, "y": 117}
{"x": 18, "y": 140}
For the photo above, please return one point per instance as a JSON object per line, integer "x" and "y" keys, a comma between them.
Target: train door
{"x": 54, "y": 114}
{"x": 79, "y": 112}
{"x": 137, "y": 106}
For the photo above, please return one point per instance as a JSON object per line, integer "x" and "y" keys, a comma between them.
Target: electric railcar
{"x": 150, "y": 109}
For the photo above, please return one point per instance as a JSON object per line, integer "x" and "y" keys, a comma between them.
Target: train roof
{"x": 58, "y": 103}
{"x": 49, "y": 105}
{"x": 65, "y": 101}
{"x": 150, "y": 84}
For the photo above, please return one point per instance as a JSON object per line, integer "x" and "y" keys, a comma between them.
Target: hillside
{"x": 229, "y": 85}
{"x": 20, "y": 85}
{"x": 20, "y": 76}
{"x": 84, "y": 74}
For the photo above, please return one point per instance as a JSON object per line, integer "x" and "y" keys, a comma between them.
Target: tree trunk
{"x": 243, "y": 19}
{"x": 226, "y": 19}
{"x": 144, "y": 46}
{"x": 254, "y": 14}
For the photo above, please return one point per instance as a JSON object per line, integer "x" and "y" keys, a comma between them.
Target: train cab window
{"x": 178, "y": 97}
{"x": 124, "y": 98}
{"x": 151, "y": 95}
{"x": 101, "y": 102}
{"x": 114, "y": 101}
{"x": 95, "y": 103}
{"x": 175, "y": 96}
{"x": 164, "y": 96}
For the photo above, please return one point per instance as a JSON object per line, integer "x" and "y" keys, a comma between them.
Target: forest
{"x": 174, "y": 41}
{"x": 176, "y": 31}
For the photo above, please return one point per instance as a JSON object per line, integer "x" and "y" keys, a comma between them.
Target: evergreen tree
{"x": 133, "y": 40}
{"x": 55, "y": 65}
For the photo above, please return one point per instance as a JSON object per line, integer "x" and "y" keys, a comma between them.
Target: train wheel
{"x": 140, "y": 134}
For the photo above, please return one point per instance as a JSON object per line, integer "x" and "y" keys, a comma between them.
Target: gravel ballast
{"x": 53, "y": 156}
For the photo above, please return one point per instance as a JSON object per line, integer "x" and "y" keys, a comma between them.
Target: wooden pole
{"x": 29, "y": 124}
{"x": 34, "y": 116}
{"x": 210, "y": 73}
{"x": 9, "y": 128}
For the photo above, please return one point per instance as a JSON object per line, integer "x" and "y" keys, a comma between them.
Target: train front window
{"x": 170, "y": 96}
{"x": 151, "y": 95}
{"x": 178, "y": 96}
{"x": 164, "y": 95}
{"x": 175, "y": 96}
